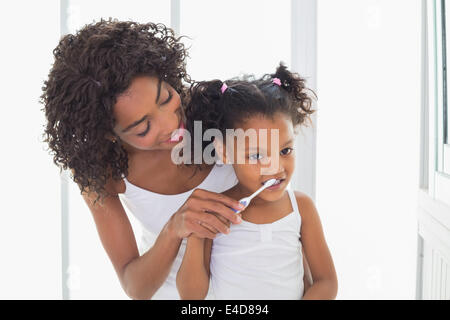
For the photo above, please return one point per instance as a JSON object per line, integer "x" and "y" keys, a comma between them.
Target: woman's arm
{"x": 142, "y": 276}
{"x": 193, "y": 275}
{"x": 325, "y": 282}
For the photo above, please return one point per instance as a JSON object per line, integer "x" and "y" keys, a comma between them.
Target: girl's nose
{"x": 272, "y": 166}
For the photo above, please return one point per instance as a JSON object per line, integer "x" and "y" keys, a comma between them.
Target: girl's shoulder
{"x": 301, "y": 195}
{"x": 305, "y": 205}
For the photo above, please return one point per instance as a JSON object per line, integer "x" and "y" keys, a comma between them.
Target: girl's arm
{"x": 307, "y": 277}
{"x": 324, "y": 276}
{"x": 193, "y": 275}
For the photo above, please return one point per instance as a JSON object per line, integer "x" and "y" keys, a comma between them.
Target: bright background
{"x": 367, "y": 151}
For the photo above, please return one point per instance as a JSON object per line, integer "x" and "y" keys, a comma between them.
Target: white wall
{"x": 368, "y": 143}
{"x": 30, "y": 252}
{"x": 233, "y": 37}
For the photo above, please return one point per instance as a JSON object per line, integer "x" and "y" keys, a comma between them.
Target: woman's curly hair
{"x": 246, "y": 97}
{"x": 91, "y": 68}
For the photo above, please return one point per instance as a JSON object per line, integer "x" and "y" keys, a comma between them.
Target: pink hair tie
{"x": 224, "y": 87}
{"x": 276, "y": 81}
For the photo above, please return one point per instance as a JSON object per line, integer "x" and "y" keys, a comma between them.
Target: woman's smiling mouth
{"x": 177, "y": 134}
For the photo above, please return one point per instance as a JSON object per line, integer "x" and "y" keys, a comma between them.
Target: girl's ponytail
{"x": 295, "y": 86}
{"x": 298, "y": 94}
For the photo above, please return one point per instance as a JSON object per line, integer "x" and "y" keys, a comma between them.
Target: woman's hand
{"x": 204, "y": 214}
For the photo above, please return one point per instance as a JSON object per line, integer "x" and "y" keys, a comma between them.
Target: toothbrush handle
{"x": 257, "y": 192}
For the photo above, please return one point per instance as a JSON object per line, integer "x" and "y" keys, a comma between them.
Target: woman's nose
{"x": 168, "y": 123}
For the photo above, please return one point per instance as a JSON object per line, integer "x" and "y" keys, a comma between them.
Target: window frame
{"x": 439, "y": 161}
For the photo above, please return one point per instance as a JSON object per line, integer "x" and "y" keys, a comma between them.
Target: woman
{"x": 112, "y": 100}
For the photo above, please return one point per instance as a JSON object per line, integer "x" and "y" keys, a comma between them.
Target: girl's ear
{"x": 220, "y": 151}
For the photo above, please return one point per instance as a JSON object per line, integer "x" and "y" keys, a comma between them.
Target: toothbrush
{"x": 246, "y": 201}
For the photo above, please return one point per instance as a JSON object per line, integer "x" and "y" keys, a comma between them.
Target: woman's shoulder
{"x": 112, "y": 186}
{"x": 115, "y": 186}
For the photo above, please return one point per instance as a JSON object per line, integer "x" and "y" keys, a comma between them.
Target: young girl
{"x": 261, "y": 258}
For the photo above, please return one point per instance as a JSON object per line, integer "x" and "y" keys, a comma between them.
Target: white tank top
{"x": 259, "y": 261}
{"x": 153, "y": 210}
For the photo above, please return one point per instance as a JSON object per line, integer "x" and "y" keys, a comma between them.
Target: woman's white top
{"x": 153, "y": 210}
{"x": 259, "y": 261}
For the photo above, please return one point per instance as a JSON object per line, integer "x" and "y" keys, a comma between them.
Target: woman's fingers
{"x": 221, "y": 218}
{"x": 211, "y": 220}
{"x": 219, "y": 198}
{"x": 207, "y": 213}
{"x": 201, "y": 231}
{"x": 207, "y": 226}
{"x": 224, "y": 212}
{"x": 218, "y": 208}
{"x": 224, "y": 221}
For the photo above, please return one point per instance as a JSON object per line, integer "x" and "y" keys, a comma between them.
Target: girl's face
{"x": 147, "y": 114}
{"x": 278, "y": 163}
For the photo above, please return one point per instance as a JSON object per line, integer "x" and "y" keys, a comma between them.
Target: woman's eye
{"x": 256, "y": 156}
{"x": 286, "y": 151}
{"x": 146, "y": 130}
{"x": 169, "y": 97}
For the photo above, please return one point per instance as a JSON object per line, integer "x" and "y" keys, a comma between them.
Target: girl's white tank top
{"x": 153, "y": 210}
{"x": 259, "y": 261}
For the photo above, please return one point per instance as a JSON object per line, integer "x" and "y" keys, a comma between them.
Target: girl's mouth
{"x": 276, "y": 185}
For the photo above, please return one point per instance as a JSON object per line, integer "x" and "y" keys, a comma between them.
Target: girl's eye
{"x": 256, "y": 156}
{"x": 146, "y": 130}
{"x": 286, "y": 151}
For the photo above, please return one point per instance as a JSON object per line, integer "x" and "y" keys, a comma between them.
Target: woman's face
{"x": 147, "y": 115}
{"x": 272, "y": 159}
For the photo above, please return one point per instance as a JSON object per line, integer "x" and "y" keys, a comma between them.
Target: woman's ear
{"x": 221, "y": 156}
{"x": 111, "y": 137}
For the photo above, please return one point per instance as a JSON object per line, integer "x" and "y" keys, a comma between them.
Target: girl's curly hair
{"x": 91, "y": 68}
{"x": 246, "y": 97}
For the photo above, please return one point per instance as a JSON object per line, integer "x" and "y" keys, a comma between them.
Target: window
{"x": 441, "y": 170}
{"x": 433, "y": 259}
{"x": 445, "y": 119}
